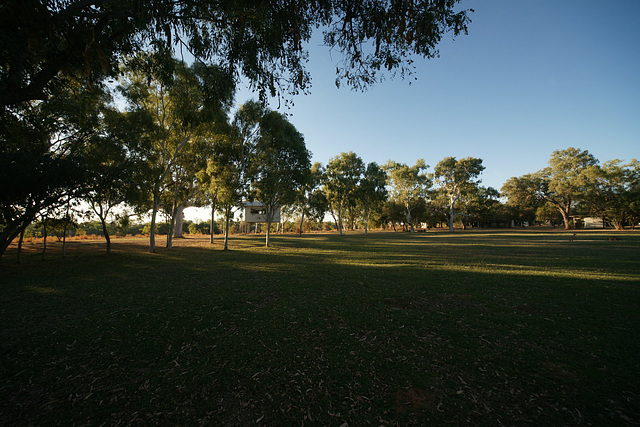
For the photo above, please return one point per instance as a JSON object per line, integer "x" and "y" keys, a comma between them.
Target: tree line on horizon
{"x": 354, "y": 193}
{"x": 96, "y": 108}
{"x": 172, "y": 141}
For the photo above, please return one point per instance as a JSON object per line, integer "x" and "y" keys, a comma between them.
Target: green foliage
{"x": 341, "y": 183}
{"x": 458, "y": 180}
{"x": 409, "y": 184}
{"x": 280, "y": 165}
{"x": 372, "y": 191}
{"x": 613, "y": 191}
{"x": 186, "y": 116}
{"x": 41, "y": 159}
{"x": 263, "y": 41}
{"x": 310, "y": 201}
{"x": 562, "y": 184}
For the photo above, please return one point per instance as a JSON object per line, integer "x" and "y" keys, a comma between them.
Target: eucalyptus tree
{"x": 408, "y": 185}
{"x": 115, "y": 160}
{"x": 612, "y": 190}
{"x": 457, "y": 179}
{"x": 372, "y": 191}
{"x": 226, "y": 180}
{"x": 310, "y": 201}
{"x": 341, "y": 180}
{"x": 217, "y": 150}
{"x": 182, "y": 102}
{"x": 562, "y": 184}
{"x": 41, "y": 157}
{"x": 227, "y": 174}
{"x": 392, "y": 213}
{"x": 479, "y": 204}
{"x": 280, "y": 165}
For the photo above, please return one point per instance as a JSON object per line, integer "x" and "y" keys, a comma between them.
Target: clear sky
{"x": 532, "y": 76}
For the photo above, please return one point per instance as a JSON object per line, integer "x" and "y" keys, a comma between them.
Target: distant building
{"x": 256, "y": 212}
{"x": 590, "y": 222}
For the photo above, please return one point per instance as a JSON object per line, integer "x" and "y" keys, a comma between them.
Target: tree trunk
{"x": 177, "y": 231}
{"x": 270, "y": 213}
{"x": 64, "y": 240}
{"x": 64, "y": 234}
{"x": 268, "y": 231}
{"x": 172, "y": 226}
{"x": 152, "y": 232}
{"x": 226, "y": 228}
{"x": 339, "y": 223}
{"x": 335, "y": 219}
{"x": 451, "y": 207}
{"x": 169, "y": 244}
{"x": 366, "y": 223}
{"x": 407, "y": 217}
{"x": 212, "y": 226}
{"x": 44, "y": 240}
{"x": 301, "y": 222}
{"x": 19, "y": 261}
{"x": 7, "y": 236}
{"x": 106, "y": 234}
{"x": 565, "y": 218}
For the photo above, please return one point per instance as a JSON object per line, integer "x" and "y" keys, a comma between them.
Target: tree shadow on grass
{"x": 394, "y": 330}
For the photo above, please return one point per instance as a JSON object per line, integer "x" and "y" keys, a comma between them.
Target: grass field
{"x": 478, "y": 328}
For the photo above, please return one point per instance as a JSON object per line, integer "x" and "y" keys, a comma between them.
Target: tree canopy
{"x": 263, "y": 41}
{"x": 457, "y": 178}
{"x": 408, "y": 185}
{"x": 280, "y": 165}
{"x": 562, "y": 184}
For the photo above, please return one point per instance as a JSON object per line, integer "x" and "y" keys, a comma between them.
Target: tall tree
{"x": 207, "y": 184}
{"x": 612, "y": 190}
{"x": 182, "y": 103}
{"x": 341, "y": 180}
{"x": 41, "y": 164}
{"x": 372, "y": 191}
{"x": 457, "y": 178}
{"x": 227, "y": 179}
{"x": 280, "y": 165}
{"x": 116, "y": 169}
{"x": 408, "y": 185}
{"x": 562, "y": 184}
{"x": 310, "y": 201}
{"x": 228, "y": 168}
{"x": 480, "y": 205}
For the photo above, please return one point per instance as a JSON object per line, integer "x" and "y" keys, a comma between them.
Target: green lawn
{"x": 479, "y": 328}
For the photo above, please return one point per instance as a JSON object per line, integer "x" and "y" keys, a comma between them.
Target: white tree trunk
{"x": 211, "y": 224}
{"x": 177, "y": 230}
{"x": 152, "y": 232}
{"x": 452, "y": 203}
{"x": 366, "y": 224}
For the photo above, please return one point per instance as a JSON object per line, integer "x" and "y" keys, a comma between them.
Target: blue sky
{"x": 531, "y": 77}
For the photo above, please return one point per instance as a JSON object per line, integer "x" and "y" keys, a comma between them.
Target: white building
{"x": 256, "y": 212}
{"x": 590, "y": 222}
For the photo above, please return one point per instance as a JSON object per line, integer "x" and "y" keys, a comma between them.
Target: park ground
{"x": 478, "y": 327}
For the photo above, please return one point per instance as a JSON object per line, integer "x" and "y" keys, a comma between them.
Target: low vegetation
{"x": 480, "y": 328}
